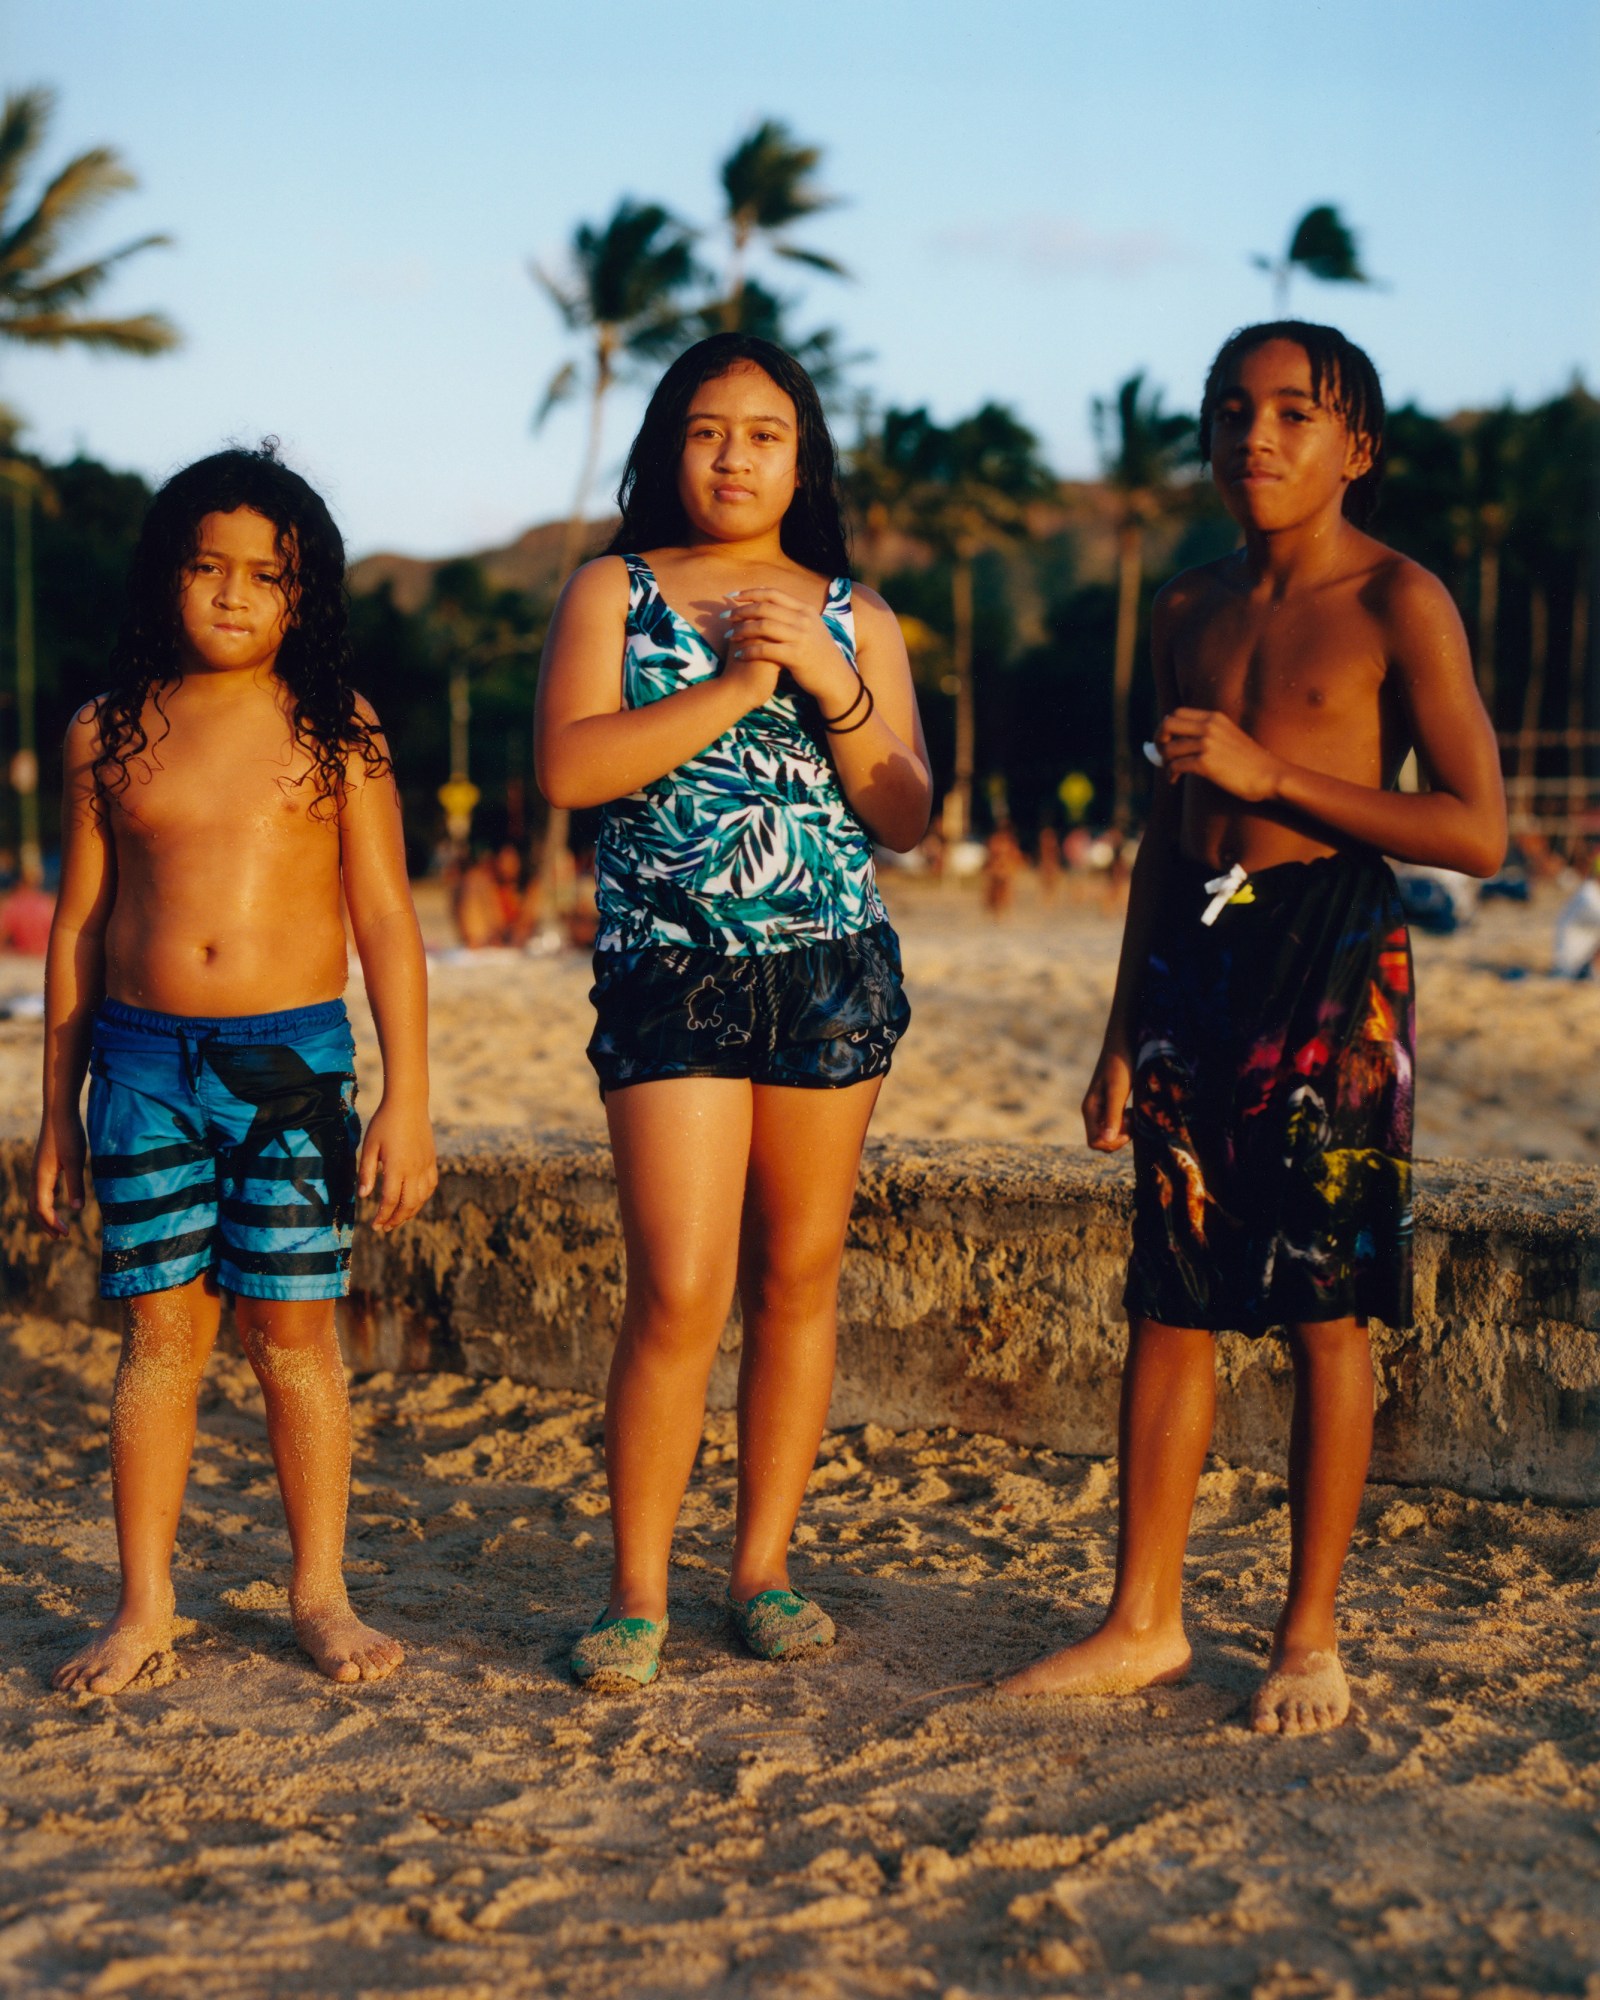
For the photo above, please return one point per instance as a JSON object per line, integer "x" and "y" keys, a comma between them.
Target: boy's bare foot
{"x": 1303, "y": 1693}
{"x": 1110, "y": 1661}
{"x": 115, "y": 1654}
{"x": 341, "y": 1647}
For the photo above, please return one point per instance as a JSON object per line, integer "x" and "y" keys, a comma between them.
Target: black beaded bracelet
{"x": 845, "y": 713}
{"x": 854, "y": 726}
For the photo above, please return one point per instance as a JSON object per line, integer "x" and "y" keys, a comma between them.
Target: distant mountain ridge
{"x": 531, "y": 563}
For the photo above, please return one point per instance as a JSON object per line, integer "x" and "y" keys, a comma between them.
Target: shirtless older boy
{"x": 220, "y": 800}
{"x": 1259, "y": 1049}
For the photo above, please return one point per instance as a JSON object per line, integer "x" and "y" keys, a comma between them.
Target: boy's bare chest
{"x": 234, "y": 779}
{"x": 1307, "y": 668}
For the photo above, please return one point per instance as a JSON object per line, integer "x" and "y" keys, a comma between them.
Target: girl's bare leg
{"x": 1168, "y": 1402}
{"x": 1330, "y": 1443}
{"x": 166, "y": 1339}
{"x": 805, "y": 1152}
{"x": 291, "y": 1346}
{"x": 682, "y": 1150}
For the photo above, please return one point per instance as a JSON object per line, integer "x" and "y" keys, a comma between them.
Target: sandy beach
{"x": 874, "y": 1822}
{"x": 1008, "y": 1015}
{"x": 861, "y": 1824}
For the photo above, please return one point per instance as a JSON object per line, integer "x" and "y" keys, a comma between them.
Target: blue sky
{"x": 1042, "y": 195}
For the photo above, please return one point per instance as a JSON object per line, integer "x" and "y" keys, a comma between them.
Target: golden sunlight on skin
{"x": 214, "y": 883}
{"x": 166, "y": 1340}
{"x": 228, "y": 885}
{"x": 1292, "y": 677}
{"x": 722, "y": 1183}
{"x": 294, "y": 1352}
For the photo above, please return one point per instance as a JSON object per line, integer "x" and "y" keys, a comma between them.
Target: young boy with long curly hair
{"x": 223, "y": 799}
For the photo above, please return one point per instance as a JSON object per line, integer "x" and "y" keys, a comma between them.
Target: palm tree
{"x": 960, "y": 489}
{"x": 1321, "y": 244}
{"x": 39, "y": 300}
{"x": 768, "y": 182}
{"x": 1553, "y": 494}
{"x": 763, "y": 312}
{"x": 1490, "y": 453}
{"x": 1142, "y": 447}
{"x": 624, "y": 294}
{"x": 40, "y": 305}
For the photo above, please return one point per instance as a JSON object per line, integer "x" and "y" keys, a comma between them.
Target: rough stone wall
{"x": 981, "y": 1290}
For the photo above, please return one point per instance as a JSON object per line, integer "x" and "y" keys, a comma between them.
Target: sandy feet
{"x": 115, "y": 1655}
{"x": 1108, "y": 1662}
{"x": 344, "y": 1649}
{"x": 1303, "y": 1693}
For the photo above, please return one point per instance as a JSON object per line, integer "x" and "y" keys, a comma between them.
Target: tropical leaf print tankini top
{"x": 748, "y": 847}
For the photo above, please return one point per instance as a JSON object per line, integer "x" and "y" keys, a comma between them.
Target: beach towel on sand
{"x": 1272, "y": 1102}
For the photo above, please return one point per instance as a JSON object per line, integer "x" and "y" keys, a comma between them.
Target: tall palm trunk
{"x": 1488, "y": 602}
{"x": 1577, "y": 675}
{"x": 1533, "y": 693}
{"x": 958, "y": 806}
{"x": 604, "y": 375}
{"x": 557, "y": 818}
{"x": 1130, "y": 566}
{"x": 729, "y": 311}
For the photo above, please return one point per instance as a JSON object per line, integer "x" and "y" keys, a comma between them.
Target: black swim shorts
{"x": 1272, "y": 1102}
{"x": 818, "y": 1017}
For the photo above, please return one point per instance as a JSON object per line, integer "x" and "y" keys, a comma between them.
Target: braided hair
{"x": 1342, "y": 375}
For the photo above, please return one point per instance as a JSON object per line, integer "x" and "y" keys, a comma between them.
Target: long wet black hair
{"x": 1342, "y": 377}
{"x": 313, "y": 661}
{"x": 813, "y": 530}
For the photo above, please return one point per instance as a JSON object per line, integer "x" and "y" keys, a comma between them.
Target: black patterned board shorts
{"x": 819, "y": 1017}
{"x": 1272, "y": 1102}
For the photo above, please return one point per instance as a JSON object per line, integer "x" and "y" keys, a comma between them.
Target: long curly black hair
{"x": 313, "y": 661}
{"x": 812, "y": 531}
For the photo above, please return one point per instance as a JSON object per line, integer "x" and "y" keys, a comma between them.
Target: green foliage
{"x": 1524, "y": 480}
{"x": 958, "y": 487}
{"x": 767, "y": 180}
{"x": 40, "y": 300}
{"x": 1323, "y": 245}
{"x": 623, "y": 289}
{"x": 1143, "y": 448}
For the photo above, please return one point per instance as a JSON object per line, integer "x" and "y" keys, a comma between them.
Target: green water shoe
{"x": 778, "y": 1624}
{"x": 619, "y": 1655}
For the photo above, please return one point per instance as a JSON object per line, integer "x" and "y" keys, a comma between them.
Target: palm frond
{"x": 1324, "y": 245}
{"x": 141, "y": 333}
{"x": 22, "y": 129}
{"x": 767, "y": 179}
{"x": 562, "y": 387}
{"x": 81, "y": 186}
{"x": 814, "y": 258}
{"x": 59, "y": 289}
{"x": 566, "y": 298}
{"x": 1141, "y": 445}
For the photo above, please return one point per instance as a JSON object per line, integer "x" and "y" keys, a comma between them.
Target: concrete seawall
{"x": 980, "y": 1291}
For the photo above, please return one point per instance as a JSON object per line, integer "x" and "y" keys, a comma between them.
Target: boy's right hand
{"x": 1105, "y": 1103}
{"x": 58, "y": 1162}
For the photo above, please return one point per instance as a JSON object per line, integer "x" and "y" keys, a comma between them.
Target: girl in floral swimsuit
{"x": 744, "y": 716}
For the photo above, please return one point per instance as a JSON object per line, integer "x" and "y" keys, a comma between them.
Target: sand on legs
{"x": 292, "y": 1347}
{"x": 166, "y": 1339}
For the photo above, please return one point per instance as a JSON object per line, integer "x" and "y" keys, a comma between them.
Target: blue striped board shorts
{"x": 225, "y": 1146}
